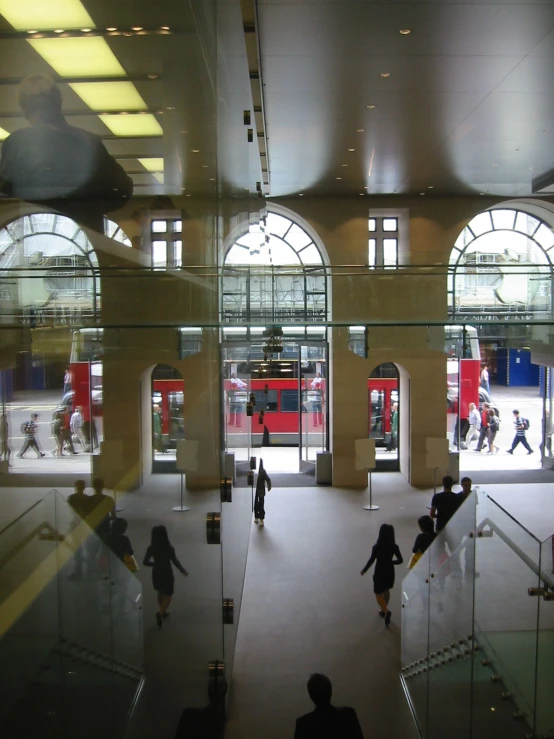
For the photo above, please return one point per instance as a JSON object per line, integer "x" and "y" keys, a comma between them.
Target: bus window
{"x": 267, "y": 403}
{"x": 289, "y": 401}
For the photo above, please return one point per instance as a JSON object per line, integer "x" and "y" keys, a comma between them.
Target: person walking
{"x": 57, "y": 433}
{"x": 66, "y": 431}
{"x": 30, "y": 429}
{"x": 484, "y": 427}
{"x": 326, "y": 721}
{"x": 393, "y": 441}
{"x": 444, "y": 504}
{"x": 76, "y": 428}
{"x": 5, "y": 451}
{"x": 386, "y": 554}
{"x": 423, "y": 540}
{"x": 494, "y": 425}
{"x": 521, "y": 426}
{"x": 474, "y": 420}
{"x": 485, "y": 379}
{"x": 259, "y": 500}
{"x": 67, "y": 381}
{"x": 160, "y": 555}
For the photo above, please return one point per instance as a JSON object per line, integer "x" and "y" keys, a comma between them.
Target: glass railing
{"x": 71, "y": 636}
{"x": 478, "y": 629}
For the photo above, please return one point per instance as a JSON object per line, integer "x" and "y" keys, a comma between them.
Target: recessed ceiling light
{"x": 430, "y": 187}
{"x": 373, "y": 104}
{"x": 361, "y": 193}
{"x": 87, "y": 56}
{"x": 111, "y": 28}
{"x": 404, "y": 31}
{"x": 165, "y": 28}
{"x": 59, "y": 30}
{"x": 86, "y": 30}
{"x": 212, "y": 179}
{"x": 300, "y": 194}
{"x": 136, "y": 28}
{"x": 195, "y": 151}
{"x": 32, "y": 31}
{"x": 109, "y": 96}
{"x": 422, "y": 193}
{"x": 359, "y": 130}
{"x": 188, "y": 195}
{"x": 344, "y": 165}
{"x": 385, "y": 74}
{"x": 170, "y": 107}
{"x": 481, "y": 193}
{"x": 204, "y": 166}
{"x": 351, "y": 149}
{"x": 339, "y": 178}
{"x": 494, "y": 164}
{"x": 132, "y": 125}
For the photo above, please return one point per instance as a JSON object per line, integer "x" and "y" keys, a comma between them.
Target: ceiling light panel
{"x": 79, "y": 57}
{"x": 3, "y": 134}
{"x": 153, "y": 164}
{"x": 132, "y": 125}
{"x": 39, "y": 14}
{"x": 102, "y": 96}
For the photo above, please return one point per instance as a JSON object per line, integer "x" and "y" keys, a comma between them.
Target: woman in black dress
{"x": 159, "y": 555}
{"x": 386, "y": 555}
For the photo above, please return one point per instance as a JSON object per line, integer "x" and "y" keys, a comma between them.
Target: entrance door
{"x": 384, "y": 415}
{"x": 312, "y": 414}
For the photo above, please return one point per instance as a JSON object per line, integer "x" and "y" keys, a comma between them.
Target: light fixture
{"x": 359, "y": 130}
{"x": 195, "y": 151}
{"x": 430, "y": 187}
{"x": 136, "y": 28}
{"x": 45, "y": 15}
{"x": 59, "y": 30}
{"x": 339, "y": 178}
{"x": 212, "y": 179}
{"x": 385, "y": 74}
{"x": 152, "y": 76}
{"x": 89, "y": 56}
{"x": 106, "y": 96}
{"x": 111, "y": 28}
{"x": 404, "y": 31}
{"x": 351, "y": 149}
{"x": 494, "y": 164}
{"x": 422, "y": 193}
{"x": 344, "y": 165}
{"x": 132, "y": 125}
{"x": 32, "y": 31}
{"x": 300, "y": 194}
{"x": 170, "y": 107}
{"x": 3, "y": 134}
{"x": 152, "y": 164}
{"x": 165, "y": 28}
{"x": 372, "y": 104}
{"x": 204, "y": 166}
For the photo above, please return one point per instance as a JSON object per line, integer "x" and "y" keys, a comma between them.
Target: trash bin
{"x": 324, "y": 468}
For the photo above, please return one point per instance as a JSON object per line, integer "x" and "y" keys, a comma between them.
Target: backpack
{"x": 26, "y": 427}
{"x": 525, "y": 423}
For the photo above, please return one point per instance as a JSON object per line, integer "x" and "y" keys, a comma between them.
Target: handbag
{"x": 414, "y": 559}
{"x": 130, "y": 563}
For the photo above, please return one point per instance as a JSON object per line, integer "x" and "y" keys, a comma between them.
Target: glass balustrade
{"x": 478, "y": 628}
{"x": 71, "y": 635}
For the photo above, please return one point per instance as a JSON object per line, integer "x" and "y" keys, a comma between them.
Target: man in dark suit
{"x": 57, "y": 165}
{"x": 326, "y": 721}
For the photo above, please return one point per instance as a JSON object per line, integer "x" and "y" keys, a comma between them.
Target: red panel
{"x": 470, "y": 370}
{"x": 80, "y": 384}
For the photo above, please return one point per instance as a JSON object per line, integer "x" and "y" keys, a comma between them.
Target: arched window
{"x": 56, "y": 250}
{"x": 274, "y": 273}
{"x": 501, "y": 265}
{"x": 115, "y": 232}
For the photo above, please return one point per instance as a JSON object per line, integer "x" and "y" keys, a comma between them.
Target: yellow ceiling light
{"x": 132, "y": 125}
{"x": 153, "y": 164}
{"x": 3, "y": 134}
{"x": 79, "y": 57}
{"x": 109, "y": 95}
{"x": 26, "y": 14}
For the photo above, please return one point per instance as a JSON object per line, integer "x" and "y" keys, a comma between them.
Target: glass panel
{"x": 464, "y": 238}
{"x": 311, "y": 255}
{"x": 289, "y": 401}
{"x": 390, "y": 224}
{"x": 177, "y": 226}
{"x": 266, "y": 401}
{"x": 526, "y": 223}
{"x": 451, "y": 625}
{"x": 371, "y": 258}
{"x": 505, "y": 552}
{"x": 545, "y": 645}
{"x": 390, "y": 253}
{"x": 177, "y": 253}
{"x": 159, "y": 226}
{"x": 544, "y": 236}
{"x": 159, "y": 254}
{"x": 297, "y": 237}
{"x": 503, "y": 219}
{"x": 277, "y": 224}
{"x": 481, "y": 224}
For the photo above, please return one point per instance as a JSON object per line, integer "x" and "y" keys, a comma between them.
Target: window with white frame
{"x": 384, "y": 233}
{"x": 166, "y": 240}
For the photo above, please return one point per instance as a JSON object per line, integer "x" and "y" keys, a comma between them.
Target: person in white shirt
{"x": 474, "y": 419}
{"x": 317, "y": 406}
{"x": 76, "y": 426}
{"x": 235, "y": 405}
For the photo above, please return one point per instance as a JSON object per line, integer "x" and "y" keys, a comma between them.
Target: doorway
{"x": 168, "y": 424}
{"x": 275, "y": 407}
{"x": 384, "y": 415}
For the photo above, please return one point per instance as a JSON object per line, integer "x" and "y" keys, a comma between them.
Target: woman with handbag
{"x": 386, "y": 555}
{"x": 160, "y": 555}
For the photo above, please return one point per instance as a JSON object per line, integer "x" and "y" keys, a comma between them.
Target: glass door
{"x": 312, "y": 391}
